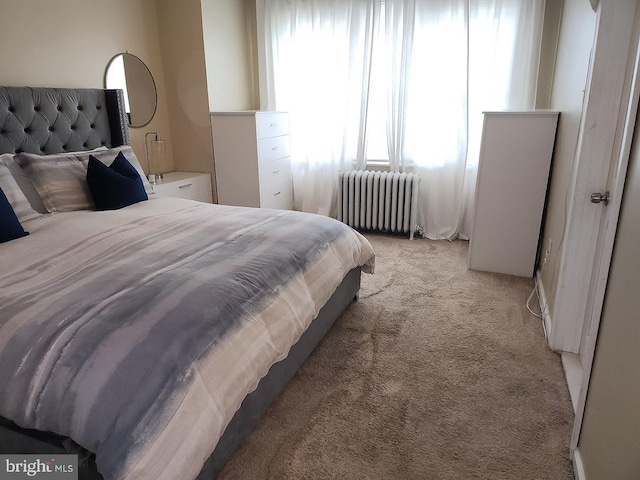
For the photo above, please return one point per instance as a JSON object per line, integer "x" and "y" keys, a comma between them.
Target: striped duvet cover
{"x": 138, "y": 332}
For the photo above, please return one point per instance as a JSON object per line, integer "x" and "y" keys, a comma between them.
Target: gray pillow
{"x": 23, "y": 181}
{"x": 14, "y": 193}
{"x": 60, "y": 180}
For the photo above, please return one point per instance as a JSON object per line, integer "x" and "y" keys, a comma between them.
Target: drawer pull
{"x": 277, "y": 193}
{"x": 274, "y": 124}
{"x": 275, "y": 148}
{"x": 185, "y": 185}
{"x": 276, "y": 171}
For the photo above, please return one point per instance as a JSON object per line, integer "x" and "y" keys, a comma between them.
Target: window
{"x": 398, "y": 83}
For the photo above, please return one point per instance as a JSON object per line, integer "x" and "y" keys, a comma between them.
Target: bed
{"x": 149, "y": 339}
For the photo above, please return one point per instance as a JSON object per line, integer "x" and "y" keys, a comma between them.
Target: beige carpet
{"x": 437, "y": 372}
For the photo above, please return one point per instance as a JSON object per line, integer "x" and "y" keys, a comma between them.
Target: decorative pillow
{"x": 23, "y": 181}
{"x": 10, "y": 227}
{"x": 116, "y": 186}
{"x": 108, "y": 156}
{"x": 13, "y": 193}
{"x": 60, "y": 180}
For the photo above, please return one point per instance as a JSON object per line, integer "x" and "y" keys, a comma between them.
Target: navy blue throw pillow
{"x": 116, "y": 186}
{"x": 10, "y": 227}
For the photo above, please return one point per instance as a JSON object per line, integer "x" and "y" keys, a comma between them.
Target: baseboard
{"x": 544, "y": 306}
{"x": 578, "y": 467}
{"x": 573, "y": 374}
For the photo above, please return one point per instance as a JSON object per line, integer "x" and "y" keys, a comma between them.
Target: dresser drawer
{"x": 272, "y": 124}
{"x": 272, "y": 148}
{"x": 277, "y": 194}
{"x": 181, "y": 185}
{"x": 252, "y": 158}
{"x": 205, "y": 196}
{"x": 276, "y": 170}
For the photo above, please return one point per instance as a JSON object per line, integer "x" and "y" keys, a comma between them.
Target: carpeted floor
{"x": 437, "y": 372}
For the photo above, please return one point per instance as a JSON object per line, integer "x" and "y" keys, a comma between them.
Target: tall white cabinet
{"x": 252, "y": 163}
{"x": 513, "y": 172}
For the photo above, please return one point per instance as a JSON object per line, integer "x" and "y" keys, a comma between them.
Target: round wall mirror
{"x": 127, "y": 72}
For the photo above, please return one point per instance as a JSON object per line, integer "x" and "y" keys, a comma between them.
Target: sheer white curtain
{"x": 434, "y": 109}
{"x": 410, "y": 77}
{"x": 318, "y": 67}
{"x": 504, "y": 52}
{"x": 468, "y": 56}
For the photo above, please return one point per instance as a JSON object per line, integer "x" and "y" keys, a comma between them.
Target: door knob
{"x": 599, "y": 197}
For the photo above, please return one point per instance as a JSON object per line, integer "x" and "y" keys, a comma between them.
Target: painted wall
{"x": 577, "y": 33}
{"x": 610, "y": 437}
{"x": 548, "y": 50}
{"x": 227, "y": 31}
{"x": 183, "y": 55}
{"x": 68, "y": 43}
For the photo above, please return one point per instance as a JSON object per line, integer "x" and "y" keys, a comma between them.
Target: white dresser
{"x": 192, "y": 186}
{"x": 513, "y": 171}
{"x": 251, "y": 150}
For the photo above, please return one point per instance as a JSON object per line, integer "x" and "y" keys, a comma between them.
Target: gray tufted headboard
{"x": 54, "y": 120}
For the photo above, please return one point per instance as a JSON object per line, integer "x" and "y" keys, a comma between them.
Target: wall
{"x": 182, "y": 45}
{"x": 610, "y": 437}
{"x": 228, "y": 42}
{"x": 577, "y": 33}
{"x": 86, "y": 36}
{"x": 548, "y": 50}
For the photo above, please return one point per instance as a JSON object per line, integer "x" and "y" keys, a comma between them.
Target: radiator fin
{"x": 379, "y": 200}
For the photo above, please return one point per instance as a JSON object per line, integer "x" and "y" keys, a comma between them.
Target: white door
{"x": 600, "y": 149}
{"x": 630, "y": 148}
{"x": 602, "y": 155}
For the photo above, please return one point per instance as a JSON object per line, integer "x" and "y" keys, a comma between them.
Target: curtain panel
{"x": 398, "y": 83}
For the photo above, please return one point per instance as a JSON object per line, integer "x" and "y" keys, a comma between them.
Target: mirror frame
{"x": 153, "y": 82}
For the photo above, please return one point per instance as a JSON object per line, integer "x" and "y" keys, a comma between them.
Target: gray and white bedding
{"x": 138, "y": 332}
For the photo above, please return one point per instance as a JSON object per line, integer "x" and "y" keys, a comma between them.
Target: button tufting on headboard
{"x": 29, "y": 116}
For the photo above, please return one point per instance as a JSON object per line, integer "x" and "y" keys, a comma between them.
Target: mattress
{"x": 138, "y": 332}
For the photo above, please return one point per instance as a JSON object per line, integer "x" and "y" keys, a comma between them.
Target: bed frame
{"x": 50, "y": 120}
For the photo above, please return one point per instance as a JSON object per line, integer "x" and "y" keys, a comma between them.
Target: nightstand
{"x": 189, "y": 185}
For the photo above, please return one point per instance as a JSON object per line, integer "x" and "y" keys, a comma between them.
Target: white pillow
{"x": 13, "y": 192}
